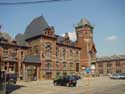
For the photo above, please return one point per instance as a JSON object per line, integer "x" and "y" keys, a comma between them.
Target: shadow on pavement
{"x": 12, "y": 87}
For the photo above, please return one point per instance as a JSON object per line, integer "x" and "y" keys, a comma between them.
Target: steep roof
{"x": 20, "y": 38}
{"x": 61, "y": 39}
{"x": 5, "y": 35}
{"x": 84, "y": 22}
{"x": 36, "y": 27}
{"x": 114, "y": 57}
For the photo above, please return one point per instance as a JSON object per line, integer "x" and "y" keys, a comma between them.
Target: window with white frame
{"x": 64, "y": 54}
{"x": 57, "y": 54}
{"x": 48, "y": 51}
{"x": 5, "y": 52}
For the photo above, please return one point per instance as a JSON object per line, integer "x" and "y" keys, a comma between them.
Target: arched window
{"x": 36, "y": 50}
{"x": 64, "y": 65}
{"x": 64, "y": 54}
{"x": 71, "y": 66}
{"x": 77, "y": 55}
{"x": 71, "y": 54}
{"x": 118, "y": 67}
{"x": 57, "y": 53}
{"x": 48, "y": 51}
{"x": 48, "y": 66}
{"x": 57, "y": 66}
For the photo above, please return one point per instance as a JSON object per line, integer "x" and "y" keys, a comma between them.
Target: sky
{"x": 107, "y": 17}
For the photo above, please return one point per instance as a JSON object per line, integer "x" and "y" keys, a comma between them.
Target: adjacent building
{"x": 109, "y": 65}
{"x": 39, "y": 53}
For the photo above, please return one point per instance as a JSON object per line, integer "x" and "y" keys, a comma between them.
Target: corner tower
{"x": 84, "y": 34}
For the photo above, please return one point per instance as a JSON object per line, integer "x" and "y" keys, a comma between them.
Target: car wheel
{"x": 74, "y": 84}
{"x": 67, "y": 84}
{"x": 14, "y": 82}
{"x": 55, "y": 84}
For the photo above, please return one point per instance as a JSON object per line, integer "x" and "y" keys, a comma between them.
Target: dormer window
{"x": 46, "y": 33}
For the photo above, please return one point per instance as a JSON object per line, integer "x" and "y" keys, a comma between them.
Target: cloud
{"x": 72, "y": 35}
{"x": 111, "y": 38}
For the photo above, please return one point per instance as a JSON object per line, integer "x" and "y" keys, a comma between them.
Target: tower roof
{"x": 84, "y": 22}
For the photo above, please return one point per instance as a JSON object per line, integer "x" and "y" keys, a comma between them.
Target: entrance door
{"x": 31, "y": 72}
{"x": 77, "y": 67}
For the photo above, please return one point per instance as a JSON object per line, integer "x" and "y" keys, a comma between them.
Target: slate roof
{"x": 5, "y": 35}
{"x": 32, "y": 59}
{"x": 61, "y": 39}
{"x": 84, "y": 22}
{"x": 20, "y": 38}
{"x": 36, "y": 27}
{"x": 114, "y": 57}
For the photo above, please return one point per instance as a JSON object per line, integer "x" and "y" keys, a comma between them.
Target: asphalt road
{"x": 100, "y": 85}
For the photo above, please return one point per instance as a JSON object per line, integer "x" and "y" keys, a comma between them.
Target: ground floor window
{"x": 48, "y": 75}
{"x": 57, "y": 74}
{"x": 9, "y": 67}
{"x": 64, "y": 73}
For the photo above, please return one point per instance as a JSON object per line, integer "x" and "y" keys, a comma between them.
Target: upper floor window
{"x": 48, "y": 66}
{"x": 57, "y": 53}
{"x": 77, "y": 55}
{"x": 5, "y": 52}
{"x": 71, "y": 54}
{"x": 109, "y": 65}
{"x": 64, "y": 54}
{"x": 100, "y": 65}
{"x": 71, "y": 66}
{"x": 64, "y": 65}
{"x": 118, "y": 64}
{"x": 48, "y": 51}
{"x": 22, "y": 54}
{"x": 36, "y": 50}
{"x": 14, "y": 54}
{"x": 57, "y": 66}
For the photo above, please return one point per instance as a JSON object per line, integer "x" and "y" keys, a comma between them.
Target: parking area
{"x": 99, "y": 85}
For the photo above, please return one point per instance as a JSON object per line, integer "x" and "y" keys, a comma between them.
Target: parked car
{"x": 65, "y": 81}
{"x": 11, "y": 78}
{"x": 117, "y": 76}
{"x": 122, "y": 75}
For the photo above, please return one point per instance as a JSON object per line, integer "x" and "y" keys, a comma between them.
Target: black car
{"x": 65, "y": 81}
{"x": 11, "y": 78}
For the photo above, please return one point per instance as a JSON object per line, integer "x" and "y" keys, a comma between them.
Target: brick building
{"x": 11, "y": 54}
{"x": 109, "y": 65}
{"x": 40, "y": 53}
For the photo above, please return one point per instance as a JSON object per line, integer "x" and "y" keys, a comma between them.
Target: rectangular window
{"x": 11, "y": 67}
{"x": 22, "y": 55}
{"x": 5, "y": 52}
{"x": 14, "y": 54}
{"x": 36, "y": 50}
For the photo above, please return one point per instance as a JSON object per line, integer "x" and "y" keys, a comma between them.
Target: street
{"x": 98, "y": 85}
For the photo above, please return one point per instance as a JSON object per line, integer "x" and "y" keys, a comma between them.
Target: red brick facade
{"x": 109, "y": 65}
{"x": 46, "y": 55}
